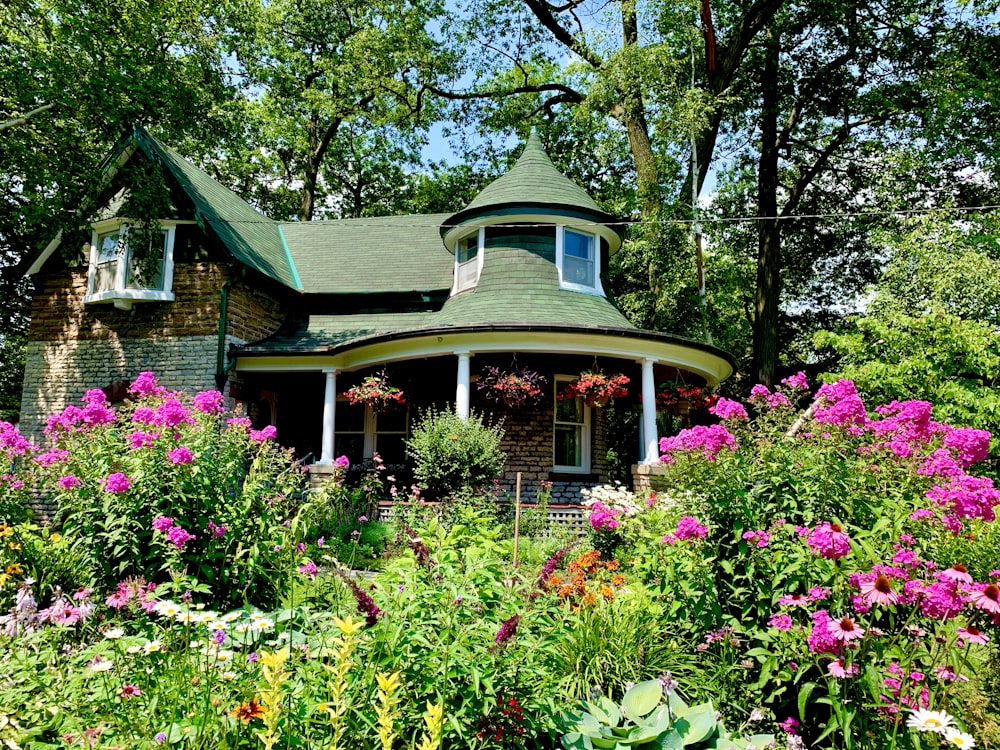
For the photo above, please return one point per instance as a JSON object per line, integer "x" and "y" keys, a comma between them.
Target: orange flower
{"x": 612, "y": 565}
{"x": 607, "y": 593}
{"x": 589, "y": 600}
{"x": 555, "y": 581}
{"x": 618, "y": 580}
{"x": 566, "y": 591}
{"x": 248, "y": 711}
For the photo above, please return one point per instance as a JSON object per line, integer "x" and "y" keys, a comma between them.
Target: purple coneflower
{"x": 845, "y": 629}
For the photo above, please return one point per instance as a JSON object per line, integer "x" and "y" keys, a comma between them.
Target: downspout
{"x": 220, "y": 357}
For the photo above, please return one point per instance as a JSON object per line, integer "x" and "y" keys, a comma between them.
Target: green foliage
{"x": 452, "y": 454}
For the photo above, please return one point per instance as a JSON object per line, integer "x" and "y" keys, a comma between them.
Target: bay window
{"x": 119, "y": 276}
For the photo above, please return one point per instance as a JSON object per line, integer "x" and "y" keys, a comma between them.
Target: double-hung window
{"x": 118, "y": 275}
{"x": 361, "y": 432}
{"x": 468, "y": 261}
{"x": 578, "y": 260}
{"x": 571, "y": 431}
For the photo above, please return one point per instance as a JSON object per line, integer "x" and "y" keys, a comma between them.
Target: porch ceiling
{"x": 713, "y": 364}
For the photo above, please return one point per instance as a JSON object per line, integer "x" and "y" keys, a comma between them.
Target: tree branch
{"x": 545, "y": 13}
{"x": 25, "y": 117}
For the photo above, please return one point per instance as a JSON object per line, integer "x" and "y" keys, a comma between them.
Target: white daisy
{"x": 167, "y": 608}
{"x": 231, "y": 616}
{"x": 101, "y": 665}
{"x": 228, "y": 676}
{"x": 186, "y": 617}
{"x": 152, "y": 646}
{"x": 223, "y": 657}
{"x": 205, "y": 617}
{"x": 929, "y": 721}
{"x": 114, "y": 633}
{"x": 957, "y": 738}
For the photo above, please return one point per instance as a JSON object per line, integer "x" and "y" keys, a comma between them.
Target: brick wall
{"x": 74, "y": 347}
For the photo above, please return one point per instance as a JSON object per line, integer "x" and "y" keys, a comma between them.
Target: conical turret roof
{"x": 535, "y": 186}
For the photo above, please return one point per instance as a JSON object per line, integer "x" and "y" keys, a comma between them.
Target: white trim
{"x": 584, "y": 429}
{"x": 596, "y": 289}
{"x": 480, "y": 252}
{"x": 712, "y": 367}
{"x": 584, "y": 225}
{"x": 462, "y": 387}
{"x": 650, "y": 449}
{"x": 329, "y": 415}
{"x": 123, "y": 296}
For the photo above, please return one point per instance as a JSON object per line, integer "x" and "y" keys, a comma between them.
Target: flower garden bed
{"x": 823, "y": 582}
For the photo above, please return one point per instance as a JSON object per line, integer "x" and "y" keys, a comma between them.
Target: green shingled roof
{"x": 250, "y": 236}
{"x": 533, "y": 179}
{"x": 384, "y": 254}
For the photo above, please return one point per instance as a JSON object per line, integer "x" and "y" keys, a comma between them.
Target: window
{"x": 116, "y": 276}
{"x": 571, "y": 431}
{"x": 468, "y": 261}
{"x": 578, "y": 261}
{"x": 361, "y": 432}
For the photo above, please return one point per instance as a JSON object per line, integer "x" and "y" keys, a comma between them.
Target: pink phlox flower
{"x": 208, "y": 402}
{"x": 845, "y": 629}
{"x": 603, "y": 517}
{"x": 841, "y": 406}
{"x": 986, "y": 596}
{"x": 12, "y": 442}
{"x": 180, "y": 455}
{"x": 668, "y": 539}
{"x": 829, "y": 540}
{"x": 216, "y": 530}
{"x": 268, "y": 433}
{"x": 96, "y": 412}
{"x": 941, "y": 463}
{"x": 797, "y": 381}
{"x": 144, "y": 415}
{"x": 239, "y": 422}
{"x": 838, "y": 670}
{"x": 69, "y": 482}
{"x": 342, "y": 461}
{"x": 172, "y": 413}
{"x": 727, "y": 409}
{"x": 309, "y": 568}
{"x": 821, "y": 640}
{"x": 54, "y": 456}
{"x": 757, "y": 536}
{"x": 906, "y": 556}
{"x": 967, "y": 497}
{"x": 781, "y": 621}
{"x": 940, "y": 600}
{"x": 818, "y": 593}
{"x": 140, "y": 439}
{"x": 145, "y": 385}
{"x": 688, "y": 527}
{"x": 759, "y": 392}
{"x": 970, "y": 445}
{"x": 116, "y": 482}
{"x": 179, "y": 536}
{"x": 162, "y": 523}
{"x": 790, "y": 725}
{"x": 710, "y": 440}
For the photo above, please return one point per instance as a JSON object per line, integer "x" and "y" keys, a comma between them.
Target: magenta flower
{"x": 838, "y": 670}
{"x": 179, "y": 536}
{"x": 12, "y": 442}
{"x": 216, "y": 530}
{"x": 140, "y": 439}
{"x": 162, "y": 523}
{"x": 129, "y": 691}
{"x": 268, "y": 433}
{"x": 758, "y": 537}
{"x": 841, "y": 406}
{"x": 117, "y": 482}
{"x": 239, "y": 422}
{"x": 180, "y": 455}
{"x": 821, "y": 640}
{"x": 208, "y": 402}
{"x": 69, "y": 481}
{"x": 145, "y": 385}
{"x": 688, "y": 527}
{"x": 56, "y": 455}
{"x": 342, "y": 461}
{"x": 780, "y": 621}
{"x": 971, "y": 635}
{"x": 309, "y": 568}
{"x": 726, "y": 409}
{"x": 710, "y": 440}
{"x": 829, "y": 540}
{"x": 603, "y": 517}
{"x": 797, "y": 381}
{"x": 172, "y": 413}
{"x": 879, "y": 591}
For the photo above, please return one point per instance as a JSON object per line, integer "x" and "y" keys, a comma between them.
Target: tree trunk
{"x": 765, "y": 344}
{"x": 633, "y": 117}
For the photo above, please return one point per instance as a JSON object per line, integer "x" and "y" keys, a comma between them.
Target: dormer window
{"x": 118, "y": 277}
{"x": 468, "y": 261}
{"x": 578, "y": 261}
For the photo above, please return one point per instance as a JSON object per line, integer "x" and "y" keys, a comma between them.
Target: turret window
{"x": 468, "y": 261}
{"x": 578, "y": 260}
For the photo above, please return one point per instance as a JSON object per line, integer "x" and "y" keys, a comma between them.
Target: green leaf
{"x": 642, "y": 698}
{"x": 804, "y": 692}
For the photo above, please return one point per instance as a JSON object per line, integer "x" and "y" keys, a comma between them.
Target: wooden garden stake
{"x": 517, "y": 514}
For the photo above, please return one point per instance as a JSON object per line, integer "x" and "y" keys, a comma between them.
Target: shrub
{"x": 452, "y": 454}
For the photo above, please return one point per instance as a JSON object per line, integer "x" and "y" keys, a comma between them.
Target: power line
{"x": 702, "y": 218}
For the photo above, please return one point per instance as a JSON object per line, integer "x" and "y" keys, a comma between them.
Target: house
{"x": 287, "y": 316}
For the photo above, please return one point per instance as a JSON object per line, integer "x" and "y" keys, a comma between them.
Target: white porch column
{"x": 329, "y": 409}
{"x": 652, "y": 452}
{"x": 462, "y": 387}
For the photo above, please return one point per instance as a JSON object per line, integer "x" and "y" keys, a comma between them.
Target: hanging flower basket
{"x": 376, "y": 391}
{"x": 680, "y": 399}
{"x": 515, "y": 388}
{"x": 596, "y": 388}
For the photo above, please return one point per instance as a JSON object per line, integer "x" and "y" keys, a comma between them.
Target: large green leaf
{"x": 642, "y": 698}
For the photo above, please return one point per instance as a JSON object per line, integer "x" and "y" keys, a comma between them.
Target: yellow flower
{"x": 12, "y": 545}
{"x": 5, "y": 530}
{"x": 55, "y": 537}
{"x": 248, "y": 711}
{"x": 274, "y": 659}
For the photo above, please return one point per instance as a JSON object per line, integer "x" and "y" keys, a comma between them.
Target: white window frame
{"x": 122, "y": 295}
{"x": 478, "y": 261}
{"x": 583, "y": 429}
{"x": 560, "y": 256}
{"x": 370, "y": 430}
